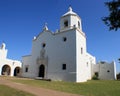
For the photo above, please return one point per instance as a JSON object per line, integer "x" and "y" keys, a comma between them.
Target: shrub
{"x": 95, "y": 77}
{"x": 118, "y": 76}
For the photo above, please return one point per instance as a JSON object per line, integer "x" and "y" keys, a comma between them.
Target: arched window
{"x": 64, "y": 39}
{"x": 16, "y": 71}
{"x": 78, "y": 24}
{"x": 81, "y": 50}
{"x": 43, "y": 45}
{"x": 66, "y": 23}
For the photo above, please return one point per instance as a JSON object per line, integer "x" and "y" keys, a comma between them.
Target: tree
{"x": 113, "y": 20}
{"x": 119, "y": 60}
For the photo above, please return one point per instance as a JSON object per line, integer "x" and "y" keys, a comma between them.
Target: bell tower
{"x": 70, "y": 20}
{"x": 3, "y": 51}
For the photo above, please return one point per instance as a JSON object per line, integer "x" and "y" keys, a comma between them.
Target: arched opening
{"x": 81, "y": 50}
{"x": 17, "y": 71}
{"x": 6, "y": 70}
{"x": 43, "y": 45}
{"x": 66, "y": 23}
{"x": 41, "y": 71}
{"x": 78, "y": 24}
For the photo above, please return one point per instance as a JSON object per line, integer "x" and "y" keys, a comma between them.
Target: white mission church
{"x": 59, "y": 56}
{"x": 63, "y": 56}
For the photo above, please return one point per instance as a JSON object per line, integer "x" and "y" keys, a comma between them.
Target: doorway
{"x": 16, "y": 71}
{"x": 41, "y": 71}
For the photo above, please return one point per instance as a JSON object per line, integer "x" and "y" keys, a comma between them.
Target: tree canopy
{"x": 113, "y": 20}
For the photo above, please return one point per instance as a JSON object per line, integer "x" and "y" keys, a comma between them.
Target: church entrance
{"x": 6, "y": 70}
{"x": 16, "y": 71}
{"x": 41, "y": 71}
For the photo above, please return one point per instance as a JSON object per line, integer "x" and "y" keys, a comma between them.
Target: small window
{"x": 26, "y": 69}
{"x": 78, "y": 24}
{"x": 43, "y": 45}
{"x": 66, "y": 24}
{"x": 81, "y": 50}
{"x": 108, "y": 71}
{"x": 87, "y": 64}
{"x": 64, "y": 39}
{"x": 64, "y": 66}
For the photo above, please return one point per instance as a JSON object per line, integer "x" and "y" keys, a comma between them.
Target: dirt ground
{"x": 37, "y": 91}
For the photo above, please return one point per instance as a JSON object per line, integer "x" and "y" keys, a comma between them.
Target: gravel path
{"x": 37, "y": 91}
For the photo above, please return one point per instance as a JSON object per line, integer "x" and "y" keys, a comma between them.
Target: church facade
{"x": 8, "y": 67}
{"x": 62, "y": 55}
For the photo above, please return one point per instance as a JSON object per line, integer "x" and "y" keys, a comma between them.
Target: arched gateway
{"x": 6, "y": 70}
{"x": 17, "y": 71}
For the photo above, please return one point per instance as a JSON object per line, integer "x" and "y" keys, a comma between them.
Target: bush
{"x": 95, "y": 77}
{"x": 118, "y": 76}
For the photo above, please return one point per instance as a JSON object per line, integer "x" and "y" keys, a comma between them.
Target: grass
{"x": 90, "y": 88}
{"x": 7, "y": 91}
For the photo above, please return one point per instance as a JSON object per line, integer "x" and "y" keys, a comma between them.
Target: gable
{"x": 44, "y": 34}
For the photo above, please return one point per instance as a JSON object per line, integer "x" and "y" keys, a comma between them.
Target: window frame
{"x": 78, "y": 24}
{"x": 64, "y": 39}
{"x": 81, "y": 50}
{"x": 64, "y": 66}
{"x": 65, "y": 23}
{"x": 43, "y": 45}
{"x": 26, "y": 69}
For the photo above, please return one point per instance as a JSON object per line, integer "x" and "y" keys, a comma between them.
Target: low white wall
{"x": 106, "y": 71}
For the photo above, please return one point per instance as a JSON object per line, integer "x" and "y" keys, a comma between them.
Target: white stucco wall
{"x": 80, "y": 58}
{"x": 84, "y": 59}
{"x": 91, "y": 60}
{"x": 106, "y": 71}
{"x": 58, "y": 52}
{"x": 62, "y": 53}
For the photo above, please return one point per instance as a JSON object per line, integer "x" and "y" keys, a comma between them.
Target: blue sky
{"x": 21, "y": 20}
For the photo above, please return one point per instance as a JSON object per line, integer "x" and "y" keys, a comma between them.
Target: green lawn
{"x": 90, "y": 88}
{"x": 7, "y": 91}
